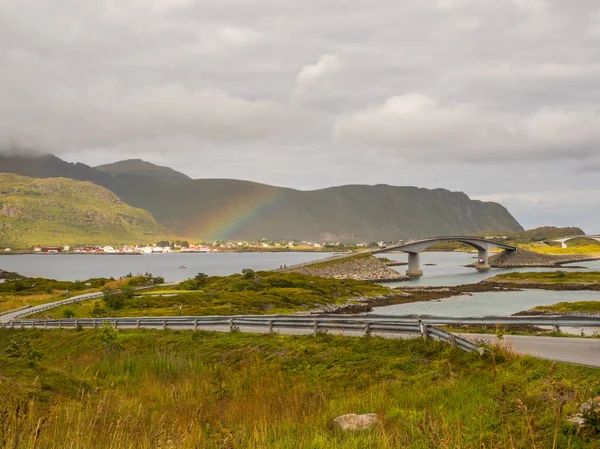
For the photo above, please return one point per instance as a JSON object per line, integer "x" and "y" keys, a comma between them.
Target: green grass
{"x": 180, "y": 389}
{"x": 571, "y": 307}
{"x": 59, "y": 211}
{"x": 19, "y": 292}
{"x": 263, "y": 293}
{"x": 592, "y": 250}
{"x": 549, "y": 277}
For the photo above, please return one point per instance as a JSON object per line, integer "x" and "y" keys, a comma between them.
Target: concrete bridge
{"x": 416, "y": 247}
{"x": 563, "y": 241}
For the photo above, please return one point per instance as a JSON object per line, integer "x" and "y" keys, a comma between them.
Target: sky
{"x": 495, "y": 98}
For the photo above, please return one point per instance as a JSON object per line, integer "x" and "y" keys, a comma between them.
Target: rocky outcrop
{"x": 525, "y": 258}
{"x": 7, "y": 274}
{"x": 360, "y": 268}
{"x": 355, "y": 422}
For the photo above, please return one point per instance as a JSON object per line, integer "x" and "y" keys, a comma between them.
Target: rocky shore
{"x": 525, "y": 258}
{"x": 7, "y": 274}
{"x": 360, "y": 268}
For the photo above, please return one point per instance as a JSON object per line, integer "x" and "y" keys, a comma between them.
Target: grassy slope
{"x": 187, "y": 390}
{"x": 271, "y": 292}
{"x": 35, "y": 291}
{"x": 549, "y": 277}
{"x": 571, "y": 307}
{"x": 59, "y": 211}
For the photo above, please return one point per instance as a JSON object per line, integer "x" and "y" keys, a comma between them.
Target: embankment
{"x": 363, "y": 267}
{"x": 525, "y": 258}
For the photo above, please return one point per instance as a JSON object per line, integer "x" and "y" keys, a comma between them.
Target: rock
{"x": 355, "y": 422}
{"x": 591, "y": 406}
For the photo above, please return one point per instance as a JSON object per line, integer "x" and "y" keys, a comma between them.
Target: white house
{"x": 8, "y": 250}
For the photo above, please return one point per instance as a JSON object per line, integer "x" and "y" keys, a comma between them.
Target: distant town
{"x": 183, "y": 246}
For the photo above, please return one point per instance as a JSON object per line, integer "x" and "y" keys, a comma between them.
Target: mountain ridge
{"x": 237, "y": 209}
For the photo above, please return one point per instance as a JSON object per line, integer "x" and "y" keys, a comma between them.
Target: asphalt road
{"x": 580, "y": 351}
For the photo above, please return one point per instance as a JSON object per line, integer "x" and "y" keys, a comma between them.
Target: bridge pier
{"x": 482, "y": 262}
{"x": 414, "y": 265}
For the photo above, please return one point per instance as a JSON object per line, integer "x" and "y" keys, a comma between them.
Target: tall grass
{"x": 206, "y": 390}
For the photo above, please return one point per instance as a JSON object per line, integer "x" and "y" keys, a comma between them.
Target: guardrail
{"x": 315, "y": 324}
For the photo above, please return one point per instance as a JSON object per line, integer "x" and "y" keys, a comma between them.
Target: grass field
{"x": 571, "y": 307}
{"x": 20, "y": 292}
{"x": 549, "y": 277}
{"x": 180, "y": 389}
{"x": 591, "y": 249}
{"x": 258, "y": 293}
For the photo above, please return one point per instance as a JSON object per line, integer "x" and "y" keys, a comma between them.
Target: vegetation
{"x": 592, "y": 249}
{"x": 60, "y": 211}
{"x": 264, "y": 292}
{"x": 543, "y": 233}
{"x": 180, "y": 389}
{"x": 571, "y": 307}
{"x": 19, "y": 292}
{"x": 549, "y": 277}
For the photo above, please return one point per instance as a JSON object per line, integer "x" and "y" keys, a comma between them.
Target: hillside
{"x": 233, "y": 209}
{"x": 140, "y": 167}
{"x": 59, "y": 211}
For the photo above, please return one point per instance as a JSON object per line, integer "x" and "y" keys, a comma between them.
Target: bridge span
{"x": 416, "y": 247}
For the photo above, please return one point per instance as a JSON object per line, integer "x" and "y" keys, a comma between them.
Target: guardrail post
{"x": 453, "y": 340}
{"x": 316, "y": 328}
{"x": 137, "y": 324}
{"x": 270, "y": 326}
{"x": 116, "y": 324}
{"x": 423, "y": 328}
{"x": 59, "y": 324}
{"x": 76, "y": 323}
{"x": 22, "y": 324}
{"x": 367, "y": 329}
{"x": 556, "y": 328}
{"x": 95, "y": 324}
{"x": 164, "y": 324}
{"x": 45, "y": 324}
{"x": 12, "y": 325}
{"x": 195, "y": 325}
{"x": 231, "y": 325}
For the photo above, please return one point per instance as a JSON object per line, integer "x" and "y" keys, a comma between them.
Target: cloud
{"x": 108, "y": 115}
{"x": 326, "y": 66}
{"x": 418, "y": 126}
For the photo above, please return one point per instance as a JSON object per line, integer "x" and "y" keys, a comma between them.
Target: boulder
{"x": 355, "y": 422}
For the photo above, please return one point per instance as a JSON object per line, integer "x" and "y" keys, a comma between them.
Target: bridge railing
{"x": 309, "y": 324}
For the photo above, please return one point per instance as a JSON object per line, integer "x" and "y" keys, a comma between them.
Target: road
{"x": 580, "y": 351}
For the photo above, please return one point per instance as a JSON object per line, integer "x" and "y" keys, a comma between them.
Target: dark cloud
{"x": 471, "y": 95}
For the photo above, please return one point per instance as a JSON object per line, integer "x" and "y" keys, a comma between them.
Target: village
{"x": 163, "y": 247}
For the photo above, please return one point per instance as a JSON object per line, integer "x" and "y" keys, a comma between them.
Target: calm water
{"x": 488, "y": 303}
{"x": 449, "y": 269}
{"x": 84, "y": 266}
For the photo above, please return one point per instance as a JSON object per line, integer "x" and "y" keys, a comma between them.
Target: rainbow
{"x": 224, "y": 223}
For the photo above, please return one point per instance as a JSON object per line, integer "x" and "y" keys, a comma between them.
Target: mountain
{"x": 60, "y": 211}
{"x": 140, "y": 167}
{"x": 232, "y": 209}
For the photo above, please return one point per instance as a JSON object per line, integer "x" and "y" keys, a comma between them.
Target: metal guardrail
{"x": 316, "y": 324}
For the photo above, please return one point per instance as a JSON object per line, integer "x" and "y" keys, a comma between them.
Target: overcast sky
{"x": 496, "y": 98}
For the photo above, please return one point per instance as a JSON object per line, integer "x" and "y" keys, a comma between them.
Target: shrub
{"x": 68, "y": 313}
{"x": 20, "y": 348}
